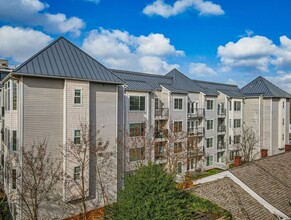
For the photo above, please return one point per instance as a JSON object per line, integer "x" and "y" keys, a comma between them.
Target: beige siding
{"x": 43, "y": 112}
{"x": 266, "y": 129}
{"x": 275, "y": 132}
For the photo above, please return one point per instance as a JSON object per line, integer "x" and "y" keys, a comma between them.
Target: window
{"x": 229, "y": 105}
{"x": 237, "y": 106}
{"x": 137, "y": 154}
{"x": 209, "y": 125}
{"x": 178, "y": 104}
{"x": 220, "y": 157}
{"x": 179, "y": 167}
{"x": 14, "y": 140}
{"x": 229, "y": 139}
{"x": 77, "y": 137}
{"x": 178, "y": 147}
{"x": 77, "y": 173}
{"x": 13, "y": 176}
{"x": 209, "y": 142}
{"x": 77, "y": 96}
{"x": 282, "y": 137}
{"x": 137, "y": 129}
{"x": 209, "y": 105}
{"x": 7, "y": 96}
{"x": 178, "y": 126}
{"x": 190, "y": 164}
{"x": 283, "y": 104}
{"x": 283, "y": 122}
{"x": 157, "y": 103}
{"x": 137, "y": 103}
{"x": 236, "y": 139}
{"x": 209, "y": 161}
{"x": 236, "y": 123}
{"x": 14, "y": 95}
{"x": 232, "y": 154}
{"x": 229, "y": 123}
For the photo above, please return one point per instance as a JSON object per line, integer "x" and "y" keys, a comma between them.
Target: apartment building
{"x": 267, "y": 111}
{"x": 47, "y": 98}
{"x": 49, "y": 95}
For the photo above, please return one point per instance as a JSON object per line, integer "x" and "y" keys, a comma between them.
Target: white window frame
{"x": 74, "y": 132}
{"x": 209, "y": 160}
{"x": 139, "y": 103}
{"x": 179, "y": 126}
{"x": 210, "y": 109}
{"x": 178, "y": 109}
{"x": 207, "y": 125}
{"x": 81, "y": 96}
{"x": 77, "y": 173}
{"x": 210, "y": 138}
{"x": 235, "y": 106}
{"x": 235, "y": 124}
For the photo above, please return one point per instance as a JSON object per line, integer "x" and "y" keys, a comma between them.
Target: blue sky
{"x": 227, "y": 41}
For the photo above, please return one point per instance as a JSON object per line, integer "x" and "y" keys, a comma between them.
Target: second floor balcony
{"x": 199, "y": 131}
{"x": 221, "y": 128}
{"x": 162, "y": 113}
{"x": 221, "y": 145}
{"x": 221, "y": 112}
{"x": 163, "y": 133}
{"x": 196, "y": 112}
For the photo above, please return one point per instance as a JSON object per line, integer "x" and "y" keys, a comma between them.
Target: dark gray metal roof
{"x": 261, "y": 86}
{"x": 213, "y": 88}
{"x": 142, "y": 81}
{"x": 174, "y": 90}
{"x": 182, "y": 82}
{"x": 62, "y": 59}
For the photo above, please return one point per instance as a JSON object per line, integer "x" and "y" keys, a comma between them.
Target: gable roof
{"x": 261, "y": 86}
{"x": 62, "y": 59}
{"x": 137, "y": 81}
{"x": 230, "y": 196}
{"x": 213, "y": 88}
{"x": 270, "y": 178}
{"x": 182, "y": 82}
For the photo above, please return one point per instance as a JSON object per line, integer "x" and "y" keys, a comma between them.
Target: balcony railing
{"x": 195, "y": 152}
{"x": 220, "y": 145}
{"x": 160, "y": 152}
{"x": 196, "y": 131}
{"x": 162, "y": 112}
{"x": 221, "y": 112}
{"x": 196, "y": 112}
{"x": 161, "y": 133}
{"x": 221, "y": 128}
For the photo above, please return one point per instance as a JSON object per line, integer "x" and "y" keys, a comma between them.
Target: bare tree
{"x": 90, "y": 156}
{"x": 33, "y": 179}
{"x": 248, "y": 144}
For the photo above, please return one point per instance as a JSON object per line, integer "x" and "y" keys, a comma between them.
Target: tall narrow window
{"x": 178, "y": 126}
{"x": 77, "y": 96}
{"x": 77, "y": 136}
{"x": 209, "y": 105}
{"x": 14, "y": 140}
{"x": 209, "y": 124}
{"x": 237, "y": 106}
{"x": 13, "y": 176}
{"x": 14, "y": 95}
{"x": 209, "y": 161}
{"x": 179, "y": 167}
{"x": 77, "y": 172}
{"x": 209, "y": 142}
{"x": 178, "y": 104}
{"x": 236, "y": 123}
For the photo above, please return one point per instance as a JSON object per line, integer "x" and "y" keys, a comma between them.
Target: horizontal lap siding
{"x": 43, "y": 111}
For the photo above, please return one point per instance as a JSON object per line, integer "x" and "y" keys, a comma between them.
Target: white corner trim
{"x": 253, "y": 194}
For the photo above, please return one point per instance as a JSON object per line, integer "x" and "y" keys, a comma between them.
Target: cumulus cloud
{"x": 119, "y": 49}
{"x": 256, "y": 52}
{"x": 201, "y": 69}
{"x": 19, "y": 43}
{"x": 33, "y": 13}
{"x": 283, "y": 81}
{"x": 159, "y": 7}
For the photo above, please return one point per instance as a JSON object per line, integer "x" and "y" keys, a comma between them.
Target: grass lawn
{"x": 207, "y": 173}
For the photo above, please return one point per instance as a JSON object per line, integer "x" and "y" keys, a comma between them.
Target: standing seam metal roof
{"x": 62, "y": 59}
{"x": 261, "y": 86}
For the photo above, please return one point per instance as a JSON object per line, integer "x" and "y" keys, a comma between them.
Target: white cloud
{"x": 232, "y": 82}
{"x": 159, "y": 7}
{"x": 248, "y": 52}
{"x": 201, "y": 69}
{"x": 31, "y": 12}
{"x": 119, "y": 49}
{"x": 282, "y": 81}
{"x": 19, "y": 43}
{"x": 283, "y": 58}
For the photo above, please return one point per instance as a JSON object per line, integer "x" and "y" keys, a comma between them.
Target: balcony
{"x": 221, "y": 145}
{"x": 160, "y": 152}
{"x": 221, "y": 112}
{"x": 196, "y": 152}
{"x": 198, "y": 131}
{"x": 162, "y": 113}
{"x": 221, "y": 128}
{"x": 196, "y": 113}
{"x": 161, "y": 133}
